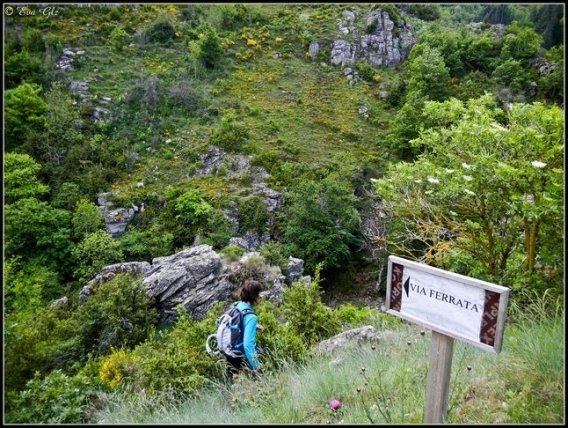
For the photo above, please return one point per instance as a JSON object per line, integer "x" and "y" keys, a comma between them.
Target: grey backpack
{"x": 229, "y": 337}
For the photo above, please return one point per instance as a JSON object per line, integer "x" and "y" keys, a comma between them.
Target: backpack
{"x": 229, "y": 336}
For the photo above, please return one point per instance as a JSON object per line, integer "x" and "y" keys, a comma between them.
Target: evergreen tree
{"x": 548, "y": 21}
{"x": 496, "y": 14}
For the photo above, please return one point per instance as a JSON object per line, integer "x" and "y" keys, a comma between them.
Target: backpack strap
{"x": 243, "y": 313}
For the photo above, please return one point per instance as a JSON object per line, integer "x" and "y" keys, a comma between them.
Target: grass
{"x": 382, "y": 384}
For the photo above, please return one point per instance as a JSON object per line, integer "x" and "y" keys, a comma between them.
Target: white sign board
{"x": 455, "y": 305}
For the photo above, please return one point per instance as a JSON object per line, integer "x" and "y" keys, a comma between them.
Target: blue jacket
{"x": 249, "y": 331}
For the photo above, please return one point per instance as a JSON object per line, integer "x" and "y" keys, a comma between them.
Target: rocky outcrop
{"x": 116, "y": 219}
{"x": 188, "y": 278}
{"x": 294, "y": 269}
{"x": 213, "y": 160}
{"x": 196, "y": 278}
{"x": 386, "y": 43}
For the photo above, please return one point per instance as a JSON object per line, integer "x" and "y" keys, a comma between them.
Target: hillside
{"x": 337, "y": 134}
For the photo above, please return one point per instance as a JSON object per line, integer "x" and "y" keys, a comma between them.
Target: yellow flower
{"x": 251, "y": 42}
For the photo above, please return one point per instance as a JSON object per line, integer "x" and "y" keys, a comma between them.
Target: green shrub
{"x": 211, "y": 49}
{"x": 233, "y": 252}
{"x": 279, "y": 342}
{"x": 354, "y": 316}
{"x": 118, "y": 39}
{"x": 161, "y": 31}
{"x": 55, "y": 399}
{"x": 365, "y": 70}
{"x": 119, "y": 313}
{"x": 308, "y": 317}
{"x": 219, "y": 230}
{"x": 253, "y": 214}
{"x": 21, "y": 67}
{"x": 230, "y": 136}
{"x": 33, "y": 41}
{"x": 426, "y": 12}
{"x": 97, "y": 250}
{"x": 273, "y": 253}
{"x": 173, "y": 360}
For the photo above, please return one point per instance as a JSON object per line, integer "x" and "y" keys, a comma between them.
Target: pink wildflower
{"x": 335, "y": 404}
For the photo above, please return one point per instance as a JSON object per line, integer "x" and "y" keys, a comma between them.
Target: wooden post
{"x": 439, "y": 371}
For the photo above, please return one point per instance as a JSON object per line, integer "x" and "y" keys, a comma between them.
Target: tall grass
{"x": 384, "y": 383}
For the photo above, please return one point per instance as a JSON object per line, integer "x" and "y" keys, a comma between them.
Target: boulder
{"x": 357, "y": 336}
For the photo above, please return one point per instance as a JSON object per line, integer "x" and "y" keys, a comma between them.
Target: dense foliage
{"x": 463, "y": 141}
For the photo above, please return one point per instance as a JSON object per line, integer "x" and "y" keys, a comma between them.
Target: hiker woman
{"x": 249, "y": 296}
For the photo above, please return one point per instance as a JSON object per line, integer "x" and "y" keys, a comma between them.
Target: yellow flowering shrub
{"x": 118, "y": 365}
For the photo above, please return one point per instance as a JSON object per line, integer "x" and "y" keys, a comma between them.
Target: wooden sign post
{"x": 452, "y": 306}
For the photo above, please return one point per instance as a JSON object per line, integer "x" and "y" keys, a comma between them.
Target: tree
{"x": 520, "y": 42}
{"x": 97, "y": 250}
{"x": 477, "y": 51}
{"x": 87, "y": 218}
{"x": 511, "y": 74}
{"x": 34, "y": 229}
{"x": 496, "y": 14}
{"x": 321, "y": 222}
{"x": 21, "y": 178}
{"x": 485, "y": 199}
{"x": 548, "y": 21}
{"x": 21, "y": 67}
{"x": 427, "y": 72}
{"x": 448, "y": 43}
{"x": 551, "y": 85}
{"x": 28, "y": 287}
{"x": 67, "y": 196}
{"x": 62, "y": 133}
{"x": 24, "y": 112}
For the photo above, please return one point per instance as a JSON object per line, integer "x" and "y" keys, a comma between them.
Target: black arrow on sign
{"x": 407, "y": 287}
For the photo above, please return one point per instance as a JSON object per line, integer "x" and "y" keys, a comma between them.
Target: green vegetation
{"x": 458, "y": 149}
{"x": 383, "y": 383}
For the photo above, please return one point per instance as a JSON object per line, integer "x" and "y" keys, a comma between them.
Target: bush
{"x": 118, "y": 314}
{"x": 33, "y": 41}
{"x": 219, "y": 230}
{"x": 230, "y": 136}
{"x": 21, "y": 67}
{"x": 354, "y": 316}
{"x": 253, "y": 214}
{"x": 233, "y": 252}
{"x": 173, "y": 361}
{"x": 273, "y": 253}
{"x": 161, "y": 31}
{"x": 118, "y": 39}
{"x": 56, "y": 399}
{"x": 308, "y": 317}
{"x": 426, "y": 12}
{"x": 279, "y": 342}
{"x": 211, "y": 49}
{"x": 97, "y": 250}
{"x": 365, "y": 70}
